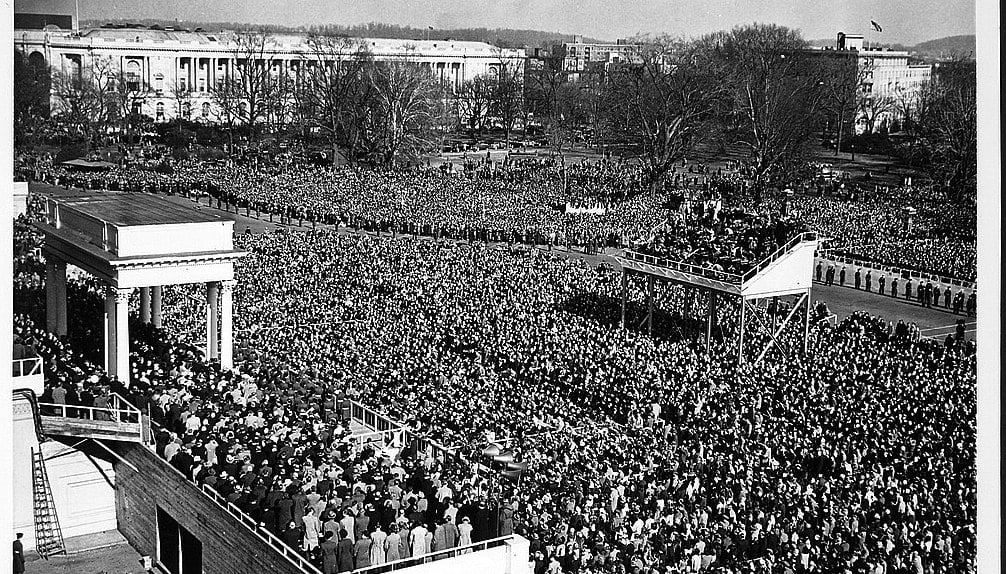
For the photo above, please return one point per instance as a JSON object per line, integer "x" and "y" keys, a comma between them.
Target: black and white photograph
{"x": 501, "y": 287}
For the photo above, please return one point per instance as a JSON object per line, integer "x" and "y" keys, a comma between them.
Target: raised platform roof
{"x": 123, "y": 209}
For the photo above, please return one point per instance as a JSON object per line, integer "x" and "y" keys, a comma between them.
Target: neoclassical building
{"x": 160, "y": 63}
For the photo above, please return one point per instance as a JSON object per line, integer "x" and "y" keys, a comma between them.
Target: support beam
{"x": 649, "y": 304}
{"x": 625, "y": 289}
{"x": 115, "y": 454}
{"x": 740, "y": 336}
{"x": 145, "y": 304}
{"x": 805, "y": 296}
{"x": 211, "y": 321}
{"x": 806, "y": 323}
{"x": 226, "y": 324}
{"x": 155, "y": 305}
{"x": 711, "y": 310}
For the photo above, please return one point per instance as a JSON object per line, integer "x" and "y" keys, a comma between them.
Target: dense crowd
{"x": 645, "y": 454}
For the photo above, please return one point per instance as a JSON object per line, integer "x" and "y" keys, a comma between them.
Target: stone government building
{"x": 157, "y": 61}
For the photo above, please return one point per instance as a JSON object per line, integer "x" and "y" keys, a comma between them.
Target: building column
{"x": 145, "y": 304}
{"x": 155, "y": 305}
{"x": 211, "y": 321}
{"x": 226, "y": 324}
{"x": 121, "y": 298}
{"x": 109, "y": 328}
{"x": 55, "y": 296}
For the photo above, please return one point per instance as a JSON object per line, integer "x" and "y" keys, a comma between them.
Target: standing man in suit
{"x": 18, "y": 555}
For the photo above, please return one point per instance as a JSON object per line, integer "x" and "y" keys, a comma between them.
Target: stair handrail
{"x": 775, "y": 255}
{"x": 29, "y": 395}
{"x": 18, "y": 366}
{"x": 263, "y": 533}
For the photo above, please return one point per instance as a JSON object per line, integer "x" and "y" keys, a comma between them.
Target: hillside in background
{"x": 946, "y": 46}
{"x": 503, "y": 37}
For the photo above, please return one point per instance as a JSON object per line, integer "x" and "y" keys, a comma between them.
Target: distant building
{"x": 584, "y": 57}
{"x": 161, "y": 63}
{"x": 891, "y": 82}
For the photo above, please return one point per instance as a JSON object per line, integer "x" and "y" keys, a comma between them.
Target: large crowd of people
{"x": 525, "y": 200}
{"x": 646, "y": 454}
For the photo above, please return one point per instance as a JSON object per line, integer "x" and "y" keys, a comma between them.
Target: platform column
{"x": 649, "y": 304}
{"x": 155, "y": 305}
{"x": 226, "y": 324}
{"x": 740, "y": 337}
{"x": 625, "y": 288}
{"x": 145, "y": 304}
{"x": 806, "y": 324}
{"x": 211, "y": 320}
{"x": 121, "y": 298}
{"x": 709, "y": 318}
{"x": 109, "y": 330}
{"x": 55, "y": 296}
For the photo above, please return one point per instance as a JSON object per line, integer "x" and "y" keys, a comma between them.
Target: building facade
{"x": 168, "y": 66}
{"x": 581, "y": 57}
{"x": 889, "y": 83}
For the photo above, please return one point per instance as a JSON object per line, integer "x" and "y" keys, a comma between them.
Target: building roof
{"x": 123, "y": 209}
{"x": 280, "y": 42}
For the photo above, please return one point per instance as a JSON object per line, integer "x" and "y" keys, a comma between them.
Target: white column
{"x": 155, "y": 305}
{"x": 55, "y": 296}
{"x": 211, "y": 321}
{"x": 122, "y": 335}
{"x": 145, "y": 304}
{"x": 109, "y": 328}
{"x": 226, "y": 324}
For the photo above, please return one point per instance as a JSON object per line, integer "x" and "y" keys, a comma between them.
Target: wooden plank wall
{"x": 229, "y": 547}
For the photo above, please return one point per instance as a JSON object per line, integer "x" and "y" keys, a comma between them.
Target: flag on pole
{"x": 876, "y": 26}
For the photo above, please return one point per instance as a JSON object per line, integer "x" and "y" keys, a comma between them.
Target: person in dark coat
{"x": 344, "y": 552}
{"x": 18, "y": 554}
{"x": 329, "y": 547}
{"x": 841, "y": 277}
{"x": 869, "y": 280}
{"x": 858, "y": 278}
{"x": 880, "y": 284}
{"x": 362, "y": 551}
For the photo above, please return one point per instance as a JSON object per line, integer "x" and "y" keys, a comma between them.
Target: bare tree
{"x": 508, "y": 95}
{"x": 227, "y": 96}
{"x": 407, "y": 103}
{"x": 545, "y": 79}
{"x": 79, "y": 96}
{"x": 252, "y": 53}
{"x": 947, "y": 128}
{"x": 873, "y": 108}
{"x": 842, "y": 85}
{"x": 472, "y": 101}
{"x": 330, "y": 86}
{"x": 666, "y": 103}
{"x": 777, "y": 96}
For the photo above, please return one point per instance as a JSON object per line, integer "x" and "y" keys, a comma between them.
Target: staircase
{"x": 48, "y": 535}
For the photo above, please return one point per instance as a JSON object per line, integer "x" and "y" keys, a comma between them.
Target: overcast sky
{"x": 903, "y": 21}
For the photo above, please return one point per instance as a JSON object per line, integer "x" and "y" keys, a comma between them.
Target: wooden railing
{"x": 726, "y": 277}
{"x": 699, "y": 270}
{"x": 433, "y": 556}
{"x": 118, "y": 411}
{"x": 264, "y": 534}
{"x": 778, "y": 253}
{"x": 27, "y": 367}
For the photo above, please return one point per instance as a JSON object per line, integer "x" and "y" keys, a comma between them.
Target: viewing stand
{"x": 787, "y": 271}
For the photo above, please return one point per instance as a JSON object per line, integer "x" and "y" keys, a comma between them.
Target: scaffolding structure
{"x": 786, "y": 272}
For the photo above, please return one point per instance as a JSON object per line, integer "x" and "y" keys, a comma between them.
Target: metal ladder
{"x": 48, "y": 535}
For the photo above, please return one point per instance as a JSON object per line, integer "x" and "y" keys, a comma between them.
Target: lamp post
{"x": 509, "y": 468}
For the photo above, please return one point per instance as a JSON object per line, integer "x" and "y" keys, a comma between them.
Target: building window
{"x": 159, "y": 82}
{"x": 187, "y": 110}
{"x": 206, "y": 110}
{"x": 160, "y": 111}
{"x": 183, "y": 85}
{"x": 133, "y": 76}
